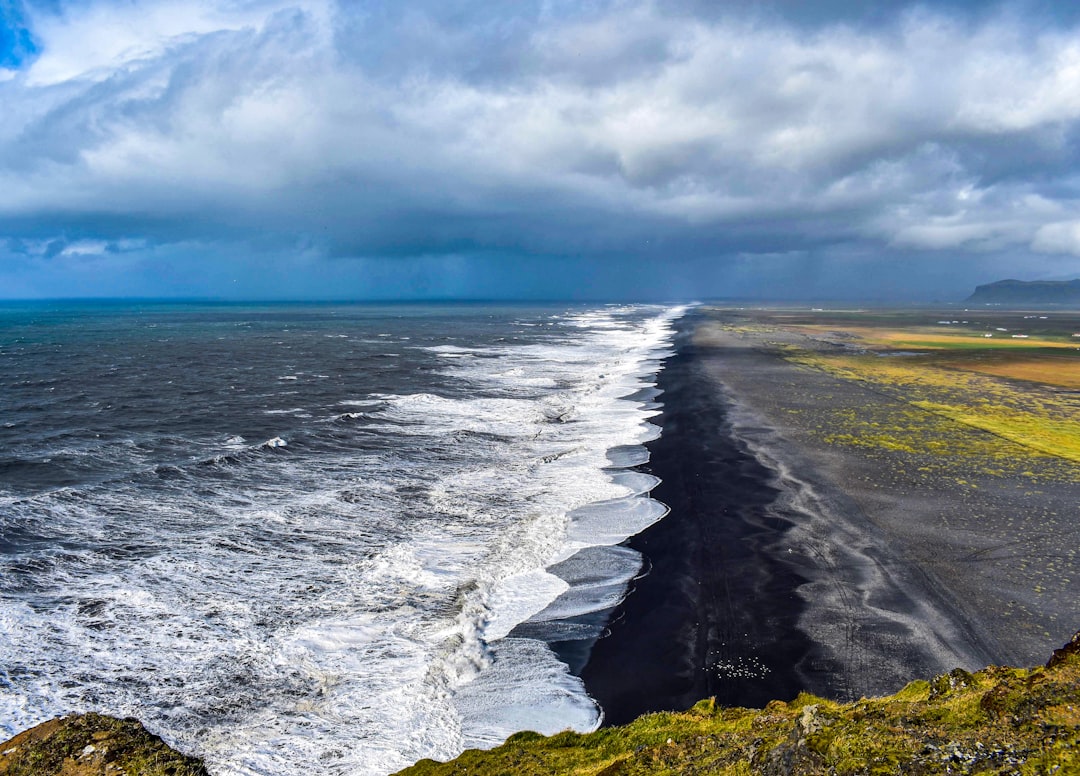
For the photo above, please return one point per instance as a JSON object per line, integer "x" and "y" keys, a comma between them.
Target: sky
{"x": 536, "y": 149}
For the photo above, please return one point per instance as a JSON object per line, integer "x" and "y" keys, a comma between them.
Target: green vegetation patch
{"x": 1021, "y": 424}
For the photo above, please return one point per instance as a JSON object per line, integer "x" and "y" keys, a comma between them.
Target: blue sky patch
{"x": 16, "y": 42}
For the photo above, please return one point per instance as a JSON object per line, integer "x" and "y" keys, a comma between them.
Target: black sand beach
{"x": 716, "y": 614}
{"x": 788, "y": 565}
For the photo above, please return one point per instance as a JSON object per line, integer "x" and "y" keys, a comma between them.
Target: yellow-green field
{"x": 1021, "y": 392}
{"x": 926, "y": 338}
{"x": 1036, "y": 420}
{"x": 1050, "y": 360}
{"x": 1063, "y": 372}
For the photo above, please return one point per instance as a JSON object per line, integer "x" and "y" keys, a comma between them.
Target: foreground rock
{"x": 93, "y": 745}
{"x": 998, "y": 720}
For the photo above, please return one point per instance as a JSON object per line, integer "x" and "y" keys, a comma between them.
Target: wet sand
{"x": 788, "y": 564}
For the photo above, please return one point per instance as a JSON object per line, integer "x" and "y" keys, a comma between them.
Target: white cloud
{"x": 85, "y": 248}
{"x": 95, "y": 40}
{"x": 256, "y": 117}
{"x": 944, "y": 235}
{"x": 1060, "y": 237}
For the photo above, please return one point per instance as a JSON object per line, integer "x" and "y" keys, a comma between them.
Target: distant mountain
{"x": 1023, "y": 292}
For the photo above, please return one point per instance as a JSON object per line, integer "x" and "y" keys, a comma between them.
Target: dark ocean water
{"x": 314, "y": 538}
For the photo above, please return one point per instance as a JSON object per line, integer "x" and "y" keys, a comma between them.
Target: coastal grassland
{"x": 1047, "y": 360}
{"x": 998, "y": 720}
{"x": 1036, "y": 422}
{"x": 924, "y": 338}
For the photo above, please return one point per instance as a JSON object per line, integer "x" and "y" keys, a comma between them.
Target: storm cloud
{"x": 544, "y": 149}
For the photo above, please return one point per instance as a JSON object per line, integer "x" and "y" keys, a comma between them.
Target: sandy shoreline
{"x": 790, "y": 564}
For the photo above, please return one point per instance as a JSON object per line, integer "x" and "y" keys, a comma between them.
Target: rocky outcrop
{"x": 93, "y": 745}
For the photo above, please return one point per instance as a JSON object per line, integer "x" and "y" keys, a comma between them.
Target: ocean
{"x": 299, "y": 538}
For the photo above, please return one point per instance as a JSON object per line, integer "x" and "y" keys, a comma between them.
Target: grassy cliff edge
{"x": 998, "y": 720}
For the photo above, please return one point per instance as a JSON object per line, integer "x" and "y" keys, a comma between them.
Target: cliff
{"x": 1019, "y": 292}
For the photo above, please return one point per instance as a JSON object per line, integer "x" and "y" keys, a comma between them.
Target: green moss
{"x": 919, "y": 690}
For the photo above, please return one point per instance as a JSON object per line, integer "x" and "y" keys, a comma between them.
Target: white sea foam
{"x": 611, "y": 522}
{"x": 352, "y": 613}
{"x": 597, "y": 580}
{"x": 636, "y": 482}
{"x": 526, "y": 688}
{"x": 519, "y": 597}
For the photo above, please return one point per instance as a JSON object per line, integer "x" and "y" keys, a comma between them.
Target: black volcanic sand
{"x": 716, "y": 613}
{"x": 760, "y": 583}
